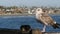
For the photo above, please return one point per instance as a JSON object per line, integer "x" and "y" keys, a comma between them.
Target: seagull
{"x": 45, "y": 19}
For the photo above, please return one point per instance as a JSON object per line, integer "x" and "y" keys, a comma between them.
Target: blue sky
{"x": 30, "y": 2}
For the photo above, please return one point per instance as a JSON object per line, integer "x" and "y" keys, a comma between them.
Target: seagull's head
{"x": 39, "y": 11}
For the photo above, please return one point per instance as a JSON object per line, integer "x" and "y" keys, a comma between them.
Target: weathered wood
{"x": 15, "y": 31}
{"x": 36, "y": 31}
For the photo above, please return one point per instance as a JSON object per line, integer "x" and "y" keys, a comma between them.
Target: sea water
{"x": 14, "y": 22}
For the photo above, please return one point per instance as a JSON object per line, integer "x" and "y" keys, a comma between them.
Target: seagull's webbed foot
{"x": 44, "y": 28}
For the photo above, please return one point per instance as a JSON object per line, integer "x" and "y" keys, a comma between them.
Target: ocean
{"x": 14, "y": 22}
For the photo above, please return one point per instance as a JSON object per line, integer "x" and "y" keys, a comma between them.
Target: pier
{"x": 15, "y": 31}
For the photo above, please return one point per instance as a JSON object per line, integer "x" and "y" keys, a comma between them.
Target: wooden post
{"x": 36, "y": 31}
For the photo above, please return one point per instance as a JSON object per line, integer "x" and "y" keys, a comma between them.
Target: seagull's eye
{"x": 43, "y": 11}
{"x": 38, "y": 10}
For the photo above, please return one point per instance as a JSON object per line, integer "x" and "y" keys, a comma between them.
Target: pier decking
{"x": 15, "y": 31}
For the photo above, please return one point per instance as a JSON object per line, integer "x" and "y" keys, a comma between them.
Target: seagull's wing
{"x": 46, "y": 19}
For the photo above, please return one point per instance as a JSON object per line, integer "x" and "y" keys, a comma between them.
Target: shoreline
{"x": 25, "y": 14}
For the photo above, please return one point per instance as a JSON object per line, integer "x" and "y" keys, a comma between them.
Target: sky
{"x": 30, "y": 2}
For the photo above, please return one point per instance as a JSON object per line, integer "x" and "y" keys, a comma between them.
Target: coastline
{"x": 25, "y": 14}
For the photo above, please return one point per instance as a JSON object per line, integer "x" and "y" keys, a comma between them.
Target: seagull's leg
{"x": 44, "y": 28}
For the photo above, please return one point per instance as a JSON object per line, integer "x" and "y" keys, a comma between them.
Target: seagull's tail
{"x": 56, "y": 25}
